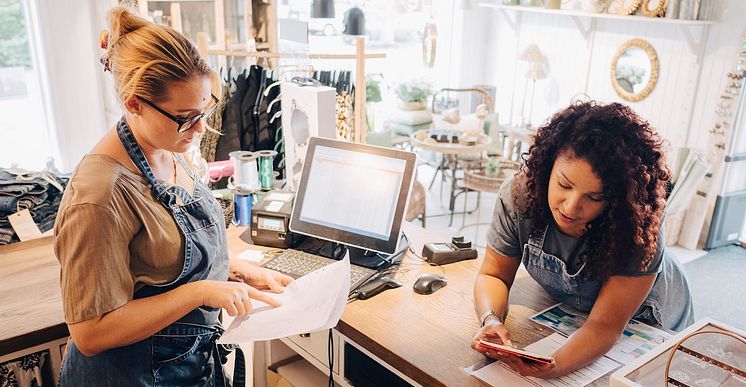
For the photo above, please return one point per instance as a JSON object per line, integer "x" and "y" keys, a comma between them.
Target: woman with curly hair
{"x": 585, "y": 217}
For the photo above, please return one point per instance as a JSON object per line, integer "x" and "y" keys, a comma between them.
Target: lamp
{"x": 322, "y": 9}
{"x": 535, "y": 59}
{"x": 354, "y": 22}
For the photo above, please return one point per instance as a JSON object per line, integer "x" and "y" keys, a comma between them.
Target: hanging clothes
{"x": 230, "y": 139}
{"x": 209, "y": 141}
{"x": 345, "y": 101}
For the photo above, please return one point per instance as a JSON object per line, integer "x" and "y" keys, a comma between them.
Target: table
{"x": 451, "y": 152}
{"x": 31, "y": 316}
{"x": 422, "y": 339}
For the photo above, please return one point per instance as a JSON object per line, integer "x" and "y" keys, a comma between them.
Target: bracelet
{"x": 489, "y": 313}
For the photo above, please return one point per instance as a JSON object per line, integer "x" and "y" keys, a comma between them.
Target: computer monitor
{"x": 354, "y": 194}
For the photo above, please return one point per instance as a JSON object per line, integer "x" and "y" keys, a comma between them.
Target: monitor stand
{"x": 333, "y": 250}
{"x": 365, "y": 258}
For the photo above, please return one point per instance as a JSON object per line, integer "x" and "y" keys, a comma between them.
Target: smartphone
{"x": 530, "y": 356}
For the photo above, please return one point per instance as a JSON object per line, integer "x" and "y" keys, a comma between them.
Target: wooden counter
{"x": 30, "y": 302}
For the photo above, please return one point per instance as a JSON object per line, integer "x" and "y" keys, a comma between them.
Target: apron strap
{"x": 160, "y": 191}
{"x": 220, "y": 353}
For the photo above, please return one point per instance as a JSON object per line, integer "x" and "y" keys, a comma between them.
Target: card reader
{"x": 445, "y": 253}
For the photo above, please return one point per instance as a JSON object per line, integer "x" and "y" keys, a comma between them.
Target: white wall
{"x": 69, "y": 49}
{"x": 682, "y": 104}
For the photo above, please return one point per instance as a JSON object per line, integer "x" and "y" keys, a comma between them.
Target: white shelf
{"x": 520, "y": 8}
{"x": 586, "y": 29}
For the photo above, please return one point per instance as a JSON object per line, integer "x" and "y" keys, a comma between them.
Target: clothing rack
{"x": 360, "y": 56}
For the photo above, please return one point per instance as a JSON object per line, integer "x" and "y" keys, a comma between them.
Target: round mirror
{"x": 634, "y": 70}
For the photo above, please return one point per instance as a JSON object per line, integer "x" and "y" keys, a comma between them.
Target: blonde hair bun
{"x": 145, "y": 58}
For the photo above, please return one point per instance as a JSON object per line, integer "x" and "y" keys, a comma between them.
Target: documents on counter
{"x": 500, "y": 374}
{"x": 636, "y": 340}
{"x": 311, "y": 303}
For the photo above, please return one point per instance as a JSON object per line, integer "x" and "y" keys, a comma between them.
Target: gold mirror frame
{"x": 628, "y": 7}
{"x": 654, "y": 68}
{"x": 658, "y": 10}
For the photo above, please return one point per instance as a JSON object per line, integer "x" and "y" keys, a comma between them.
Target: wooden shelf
{"x": 586, "y": 22}
{"x": 636, "y": 18}
{"x": 180, "y": 1}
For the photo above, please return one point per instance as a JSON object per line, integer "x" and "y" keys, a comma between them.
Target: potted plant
{"x": 373, "y": 96}
{"x": 492, "y": 167}
{"x": 413, "y": 94}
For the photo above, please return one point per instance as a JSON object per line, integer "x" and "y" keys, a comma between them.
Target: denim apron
{"x": 669, "y": 303}
{"x": 184, "y": 353}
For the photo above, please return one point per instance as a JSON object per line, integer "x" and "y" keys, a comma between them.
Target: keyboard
{"x": 296, "y": 263}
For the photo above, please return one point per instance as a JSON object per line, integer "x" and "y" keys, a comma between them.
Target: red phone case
{"x": 517, "y": 352}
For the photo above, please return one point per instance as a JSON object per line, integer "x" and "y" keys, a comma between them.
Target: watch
{"x": 489, "y": 313}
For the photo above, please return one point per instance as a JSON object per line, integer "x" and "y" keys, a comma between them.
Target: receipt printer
{"x": 270, "y": 218}
{"x": 445, "y": 253}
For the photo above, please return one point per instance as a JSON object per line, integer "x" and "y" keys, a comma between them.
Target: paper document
{"x": 252, "y": 255}
{"x": 636, "y": 340}
{"x": 311, "y": 303}
{"x": 500, "y": 374}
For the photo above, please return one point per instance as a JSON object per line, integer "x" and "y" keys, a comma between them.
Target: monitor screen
{"x": 355, "y": 194}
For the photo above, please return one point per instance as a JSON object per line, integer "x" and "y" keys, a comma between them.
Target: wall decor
{"x": 628, "y": 7}
{"x": 654, "y": 8}
{"x": 634, "y": 70}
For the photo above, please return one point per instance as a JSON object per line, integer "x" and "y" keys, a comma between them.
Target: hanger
{"x": 274, "y": 101}
{"x": 274, "y": 117}
{"x": 271, "y": 85}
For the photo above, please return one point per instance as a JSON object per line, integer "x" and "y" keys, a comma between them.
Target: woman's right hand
{"x": 495, "y": 332}
{"x": 234, "y": 297}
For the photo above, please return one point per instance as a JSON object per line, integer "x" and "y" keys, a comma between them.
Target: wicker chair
{"x": 416, "y": 203}
{"x": 477, "y": 180}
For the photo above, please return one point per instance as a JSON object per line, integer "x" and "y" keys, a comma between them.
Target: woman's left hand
{"x": 530, "y": 368}
{"x": 259, "y": 277}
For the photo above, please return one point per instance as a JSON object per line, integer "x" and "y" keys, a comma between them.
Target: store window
{"x": 25, "y": 132}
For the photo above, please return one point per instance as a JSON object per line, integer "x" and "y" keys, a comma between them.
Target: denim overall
{"x": 668, "y": 304}
{"x": 184, "y": 353}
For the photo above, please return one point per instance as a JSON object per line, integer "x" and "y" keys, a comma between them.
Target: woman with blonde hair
{"x": 141, "y": 241}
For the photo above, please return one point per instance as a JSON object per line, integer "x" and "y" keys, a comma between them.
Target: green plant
{"x": 492, "y": 167}
{"x": 413, "y": 91}
{"x": 372, "y": 95}
{"x": 373, "y": 88}
{"x": 14, "y": 50}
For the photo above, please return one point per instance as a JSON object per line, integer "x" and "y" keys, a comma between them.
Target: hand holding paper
{"x": 311, "y": 303}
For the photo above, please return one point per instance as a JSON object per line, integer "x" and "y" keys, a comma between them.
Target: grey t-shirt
{"x": 509, "y": 232}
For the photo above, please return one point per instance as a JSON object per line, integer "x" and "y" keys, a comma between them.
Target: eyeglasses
{"x": 185, "y": 123}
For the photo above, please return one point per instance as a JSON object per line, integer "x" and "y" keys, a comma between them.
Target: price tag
{"x": 24, "y": 225}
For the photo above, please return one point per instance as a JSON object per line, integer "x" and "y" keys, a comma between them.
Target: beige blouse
{"x": 112, "y": 237}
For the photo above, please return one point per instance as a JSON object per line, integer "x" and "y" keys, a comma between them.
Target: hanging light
{"x": 354, "y": 22}
{"x": 322, "y": 9}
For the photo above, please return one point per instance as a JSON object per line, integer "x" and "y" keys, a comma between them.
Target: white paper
{"x": 252, "y": 255}
{"x": 636, "y": 340}
{"x": 311, "y": 303}
{"x": 274, "y": 206}
{"x": 280, "y": 196}
{"x": 498, "y": 373}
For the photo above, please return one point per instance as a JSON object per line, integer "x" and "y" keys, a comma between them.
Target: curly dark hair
{"x": 626, "y": 154}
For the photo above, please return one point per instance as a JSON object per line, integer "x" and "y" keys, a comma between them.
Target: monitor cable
{"x": 330, "y": 351}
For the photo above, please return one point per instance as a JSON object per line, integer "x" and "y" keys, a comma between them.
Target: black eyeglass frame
{"x": 184, "y": 123}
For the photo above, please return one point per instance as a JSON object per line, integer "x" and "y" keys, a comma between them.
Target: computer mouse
{"x": 429, "y": 283}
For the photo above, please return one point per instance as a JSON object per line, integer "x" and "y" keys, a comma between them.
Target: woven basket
{"x": 476, "y": 179}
